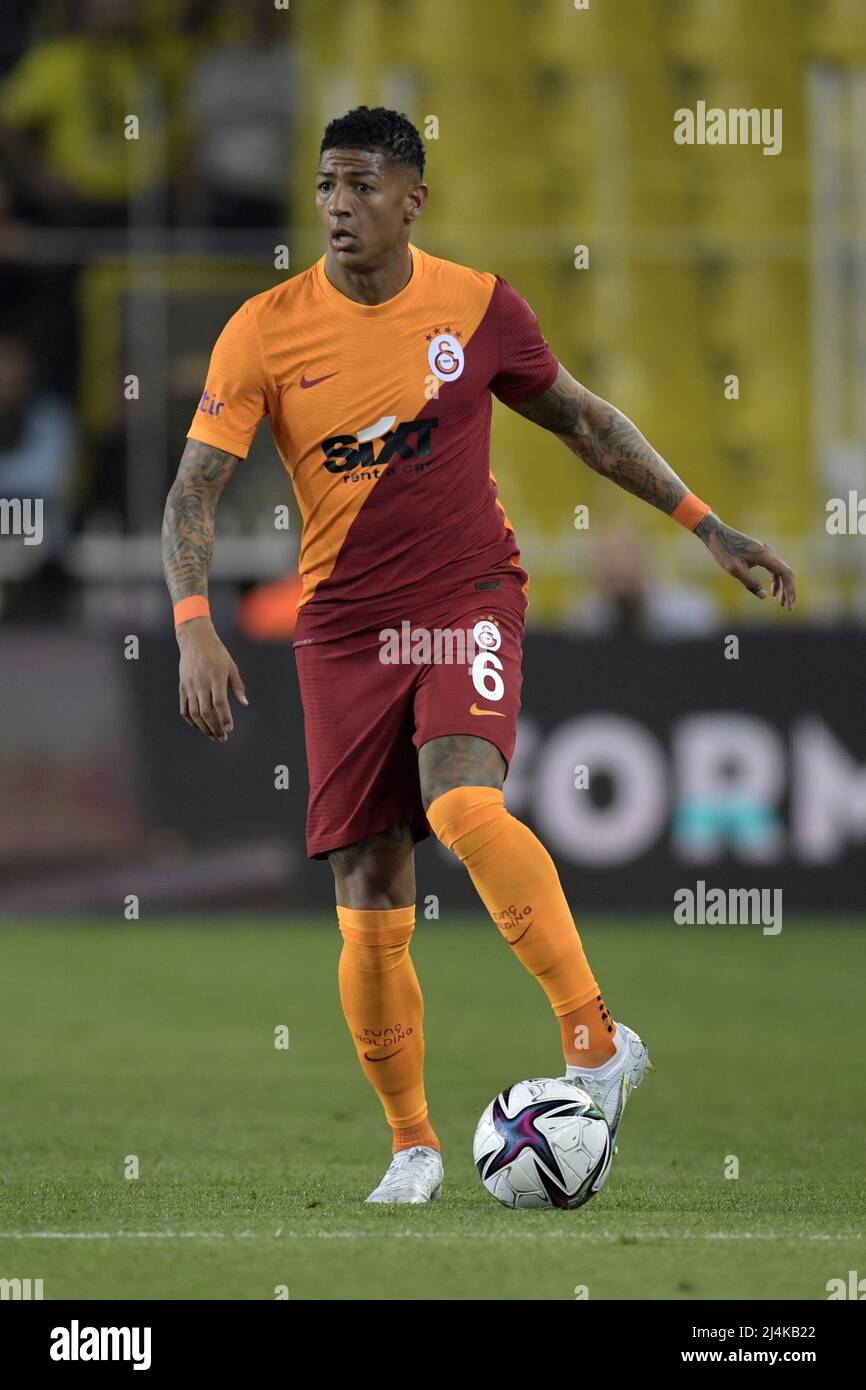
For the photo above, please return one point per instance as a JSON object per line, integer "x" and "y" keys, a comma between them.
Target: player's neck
{"x": 375, "y": 286}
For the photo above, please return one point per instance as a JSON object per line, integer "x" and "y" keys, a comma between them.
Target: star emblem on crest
{"x": 437, "y": 332}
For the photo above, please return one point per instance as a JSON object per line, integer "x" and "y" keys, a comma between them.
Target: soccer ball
{"x": 543, "y": 1143}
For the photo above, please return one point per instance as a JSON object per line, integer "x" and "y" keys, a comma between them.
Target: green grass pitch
{"x": 158, "y": 1041}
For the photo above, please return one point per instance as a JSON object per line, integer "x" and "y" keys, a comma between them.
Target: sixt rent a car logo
{"x": 410, "y": 439}
{"x": 209, "y": 405}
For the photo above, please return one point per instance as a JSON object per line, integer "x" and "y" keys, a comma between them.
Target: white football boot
{"x": 611, "y": 1084}
{"x": 414, "y": 1176}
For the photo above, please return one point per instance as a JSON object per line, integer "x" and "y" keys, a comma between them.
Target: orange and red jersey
{"x": 381, "y": 416}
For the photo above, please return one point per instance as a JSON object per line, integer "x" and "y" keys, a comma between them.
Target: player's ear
{"x": 415, "y": 200}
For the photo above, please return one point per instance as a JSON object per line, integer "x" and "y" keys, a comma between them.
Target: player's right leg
{"x": 364, "y": 815}
{"x": 381, "y": 998}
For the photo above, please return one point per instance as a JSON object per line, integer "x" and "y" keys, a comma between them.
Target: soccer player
{"x": 375, "y": 368}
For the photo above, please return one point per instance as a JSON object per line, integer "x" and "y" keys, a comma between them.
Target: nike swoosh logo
{"x": 518, "y": 938}
{"x": 305, "y": 385}
{"x": 383, "y": 1059}
{"x": 473, "y": 709}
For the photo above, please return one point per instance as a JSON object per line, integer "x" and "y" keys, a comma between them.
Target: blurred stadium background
{"x": 120, "y": 259}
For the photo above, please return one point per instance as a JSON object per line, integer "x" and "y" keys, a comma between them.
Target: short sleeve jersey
{"x": 381, "y": 416}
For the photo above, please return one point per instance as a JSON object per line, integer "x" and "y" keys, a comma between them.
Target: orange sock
{"x": 588, "y": 1034}
{"x": 517, "y": 881}
{"x": 382, "y": 1003}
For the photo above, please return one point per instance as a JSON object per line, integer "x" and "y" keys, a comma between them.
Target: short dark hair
{"x": 389, "y": 132}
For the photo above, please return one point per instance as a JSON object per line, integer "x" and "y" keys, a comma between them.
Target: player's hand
{"x": 739, "y": 555}
{"x": 207, "y": 674}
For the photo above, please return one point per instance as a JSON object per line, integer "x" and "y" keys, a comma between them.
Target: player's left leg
{"x": 516, "y": 879}
{"x": 461, "y": 779}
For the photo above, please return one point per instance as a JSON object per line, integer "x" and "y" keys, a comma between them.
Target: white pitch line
{"x": 619, "y": 1238}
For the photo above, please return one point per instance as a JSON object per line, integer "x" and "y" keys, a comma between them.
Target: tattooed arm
{"x": 608, "y": 441}
{"x": 207, "y": 672}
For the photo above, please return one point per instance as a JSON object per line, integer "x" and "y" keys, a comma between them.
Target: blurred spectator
{"x": 240, "y": 104}
{"x": 62, "y": 113}
{"x": 37, "y": 460}
{"x": 627, "y": 600}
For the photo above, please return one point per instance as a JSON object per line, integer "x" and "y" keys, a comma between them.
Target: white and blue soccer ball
{"x": 543, "y": 1143}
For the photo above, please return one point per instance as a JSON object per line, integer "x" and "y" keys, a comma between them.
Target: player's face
{"x": 366, "y": 205}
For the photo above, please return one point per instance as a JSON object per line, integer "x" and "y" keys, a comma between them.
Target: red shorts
{"x": 365, "y": 717}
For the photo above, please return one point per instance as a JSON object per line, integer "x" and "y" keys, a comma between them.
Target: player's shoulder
{"x": 454, "y": 275}
{"x": 466, "y": 281}
{"x": 284, "y": 298}
{"x": 438, "y": 267}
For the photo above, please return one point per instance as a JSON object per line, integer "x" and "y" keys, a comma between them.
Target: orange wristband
{"x": 691, "y": 511}
{"x": 196, "y": 606}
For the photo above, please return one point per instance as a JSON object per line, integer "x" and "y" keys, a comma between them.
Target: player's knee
{"x": 459, "y": 763}
{"x": 376, "y": 873}
{"x": 443, "y": 783}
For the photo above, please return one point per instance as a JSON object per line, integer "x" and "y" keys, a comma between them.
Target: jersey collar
{"x": 352, "y": 309}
